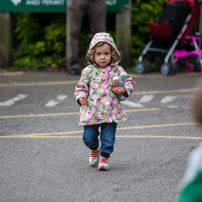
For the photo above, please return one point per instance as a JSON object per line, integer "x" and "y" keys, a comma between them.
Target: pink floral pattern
{"x": 94, "y": 85}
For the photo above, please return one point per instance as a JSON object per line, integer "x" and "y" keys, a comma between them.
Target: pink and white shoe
{"x": 94, "y": 157}
{"x": 103, "y": 164}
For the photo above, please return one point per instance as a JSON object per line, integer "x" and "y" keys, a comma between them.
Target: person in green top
{"x": 192, "y": 183}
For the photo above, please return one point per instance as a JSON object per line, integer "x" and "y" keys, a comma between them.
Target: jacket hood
{"x": 102, "y": 37}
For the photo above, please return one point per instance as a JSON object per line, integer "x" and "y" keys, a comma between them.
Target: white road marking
{"x": 168, "y": 99}
{"x": 132, "y": 104}
{"x": 59, "y": 98}
{"x": 13, "y": 100}
{"x": 186, "y": 96}
{"x": 172, "y": 107}
{"x": 146, "y": 98}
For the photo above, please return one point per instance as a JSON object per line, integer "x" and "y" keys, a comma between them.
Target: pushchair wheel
{"x": 168, "y": 68}
{"x": 197, "y": 65}
{"x": 142, "y": 67}
{"x": 190, "y": 67}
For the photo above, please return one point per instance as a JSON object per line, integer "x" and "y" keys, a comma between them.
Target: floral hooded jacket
{"x": 95, "y": 86}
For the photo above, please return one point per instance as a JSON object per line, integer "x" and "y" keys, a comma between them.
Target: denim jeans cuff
{"x": 93, "y": 148}
{"x": 105, "y": 154}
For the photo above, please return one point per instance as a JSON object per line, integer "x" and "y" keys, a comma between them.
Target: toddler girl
{"x": 97, "y": 97}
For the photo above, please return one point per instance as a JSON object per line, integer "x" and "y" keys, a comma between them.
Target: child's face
{"x": 103, "y": 55}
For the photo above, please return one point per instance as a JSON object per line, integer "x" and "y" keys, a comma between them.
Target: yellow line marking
{"x": 75, "y": 81}
{"x": 69, "y": 113}
{"x": 38, "y": 115}
{"x": 141, "y": 110}
{"x": 162, "y": 76}
{"x": 162, "y": 125}
{"x": 56, "y": 135}
{"x": 39, "y": 83}
{"x": 166, "y": 91}
{"x": 118, "y": 136}
{"x": 133, "y": 75}
{"x": 159, "y": 136}
{"x": 11, "y": 73}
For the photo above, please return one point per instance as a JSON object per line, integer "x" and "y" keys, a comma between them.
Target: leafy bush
{"x": 42, "y": 41}
{"x": 40, "y": 37}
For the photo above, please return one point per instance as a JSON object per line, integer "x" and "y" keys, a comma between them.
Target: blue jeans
{"x": 107, "y": 137}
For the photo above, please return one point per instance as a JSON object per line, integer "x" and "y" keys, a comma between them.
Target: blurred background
{"x": 37, "y": 40}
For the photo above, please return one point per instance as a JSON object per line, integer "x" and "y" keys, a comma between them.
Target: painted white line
{"x": 172, "y": 107}
{"x": 146, "y": 98}
{"x": 168, "y": 99}
{"x": 51, "y": 103}
{"x": 59, "y": 98}
{"x": 13, "y": 100}
{"x": 185, "y": 96}
{"x": 132, "y": 104}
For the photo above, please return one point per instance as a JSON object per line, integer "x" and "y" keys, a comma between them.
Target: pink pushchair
{"x": 172, "y": 34}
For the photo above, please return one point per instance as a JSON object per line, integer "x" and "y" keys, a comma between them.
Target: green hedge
{"x": 39, "y": 38}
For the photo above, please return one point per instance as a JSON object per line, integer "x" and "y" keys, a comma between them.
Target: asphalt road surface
{"x": 43, "y": 158}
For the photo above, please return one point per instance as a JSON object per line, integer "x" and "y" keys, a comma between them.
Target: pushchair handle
{"x": 193, "y": 38}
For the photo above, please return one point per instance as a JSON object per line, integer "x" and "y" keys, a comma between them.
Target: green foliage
{"x": 42, "y": 41}
{"x": 40, "y": 37}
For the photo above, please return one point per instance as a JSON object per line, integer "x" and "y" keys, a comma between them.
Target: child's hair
{"x": 197, "y": 105}
{"x": 90, "y": 55}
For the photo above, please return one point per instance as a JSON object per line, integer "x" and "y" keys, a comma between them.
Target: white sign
{"x": 16, "y": 2}
{"x": 45, "y": 2}
{"x": 53, "y": 2}
{"x": 111, "y": 2}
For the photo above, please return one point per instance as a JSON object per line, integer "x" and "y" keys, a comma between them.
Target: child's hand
{"x": 83, "y": 101}
{"x": 118, "y": 90}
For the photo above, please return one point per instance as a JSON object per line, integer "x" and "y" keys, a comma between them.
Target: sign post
{"x": 51, "y": 5}
{"x": 5, "y": 39}
{"x": 123, "y": 34}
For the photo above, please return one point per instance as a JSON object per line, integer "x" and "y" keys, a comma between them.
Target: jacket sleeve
{"x": 129, "y": 83}
{"x": 82, "y": 87}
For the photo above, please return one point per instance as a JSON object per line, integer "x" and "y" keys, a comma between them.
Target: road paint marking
{"x": 146, "y": 98}
{"x": 13, "y": 100}
{"x": 166, "y": 125}
{"x": 185, "y": 96}
{"x": 162, "y": 76}
{"x": 168, "y": 99}
{"x": 39, "y": 83}
{"x": 133, "y": 75}
{"x": 54, "y": 135}
{"x": 11, "y": 73}
{"x": 69, "y": 113}
{"x": 172, "y": 107}
{"x": 166, "y": 91}
{"x": 59, "y": 98}
{"x": 132, "y": 104}
{"x": 158, "y": 136}
{"x": 117, "y": 136}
